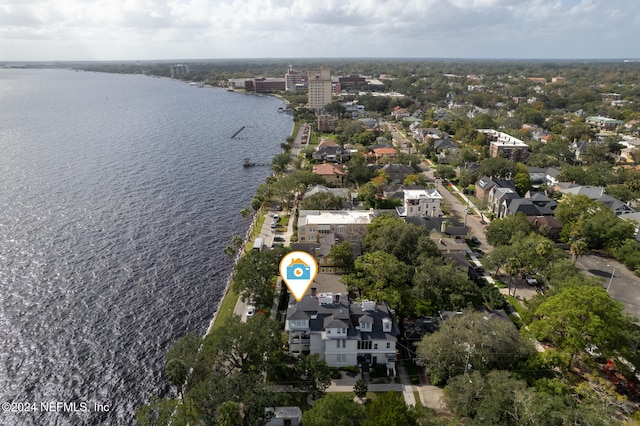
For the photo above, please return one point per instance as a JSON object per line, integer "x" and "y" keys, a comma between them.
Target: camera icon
{"x": 298, "y": 270}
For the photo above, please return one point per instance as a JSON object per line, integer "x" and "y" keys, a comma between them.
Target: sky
{"x": 59, "y": 30}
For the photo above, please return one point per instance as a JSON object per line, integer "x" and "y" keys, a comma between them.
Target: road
{"x": 267, "y": 233}
{"x": 622, "y": 284}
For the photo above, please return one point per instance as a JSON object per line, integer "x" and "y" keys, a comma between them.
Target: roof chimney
{"x": 336, "y": 298}
{"x": 443, "y": 226}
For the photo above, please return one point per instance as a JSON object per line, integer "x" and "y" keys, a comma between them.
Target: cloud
{"x": 141, "y": 29}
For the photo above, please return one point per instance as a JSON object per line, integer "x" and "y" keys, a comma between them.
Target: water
{"x": 118, "y": 194}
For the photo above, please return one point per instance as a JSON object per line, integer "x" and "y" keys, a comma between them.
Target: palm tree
{"x": 237, "y": 241}
{"x": 230, "y": 251}
{"x": 511, "y": 268}
{"x": 578, "y": 248}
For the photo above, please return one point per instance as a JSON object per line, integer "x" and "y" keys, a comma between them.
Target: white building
{"x": 341, "y": 332}
{"x": 349, "y": 225}
{"x": 319, "y": 88}
{"x": 420, "y": 203}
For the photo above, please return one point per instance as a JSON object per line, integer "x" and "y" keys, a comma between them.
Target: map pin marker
{"x": 298, "y": 269}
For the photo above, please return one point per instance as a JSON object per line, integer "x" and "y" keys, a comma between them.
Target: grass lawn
{"x": 226, "y": 309}
{"x": 294, "y": 399}
{"x": 521, "y": 310}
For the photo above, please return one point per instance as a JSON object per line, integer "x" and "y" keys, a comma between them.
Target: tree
{"x": 332, "y": 410}
{"x": 444, "y": 171}
{"x": 389, "y": 408}
{"x": 177, "y": 372}
{"x": 360, "y": 389}
{"x": 578, "y": 318}
{"x": 314, "y": 374}
{"x": 415, "y": 179}
{"x": 503, "y": 231}
{"x": 342, "y": 254}
{"x": 358, "y": 171}
{"x": 404, "y": 240}
{"x": 254, "y": 276}
{"x": 498, "y": 167}
{"x": 183, "y": 357}
{"x": 243, "y": 346}
{"x": 440, "y": 286}
{"x": 224, "y": 392}
{"x": 280, "y": 161}
{"x": 321, "y": 201}
{"x": 472, "y": 341}
{"x": 578, "y": 248}
{"x": 229, "y": 414}
{"x": 490, "y": 399}
{"x": 523, "y": 183}
{"x": 379, "y": 276}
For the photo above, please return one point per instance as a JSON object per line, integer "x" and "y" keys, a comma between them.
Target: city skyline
{"x": 44, "y": 30}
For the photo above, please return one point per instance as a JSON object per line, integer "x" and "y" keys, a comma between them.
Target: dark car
{"x": 278, "y": 239}
{"x": 475, "y": 240}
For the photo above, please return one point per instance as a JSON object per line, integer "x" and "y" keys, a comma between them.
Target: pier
{"x": 238, "y": 132}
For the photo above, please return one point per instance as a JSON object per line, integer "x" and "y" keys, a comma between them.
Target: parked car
{"x": 531, "y": 280}
{"x": 251, "y": 310}
{"x": 279, "y": 208}
{"x": 475, "y": 240}
{"x": 276, "y": 217}
{"x": 278, "y": 239}
{"x": 274, "y": 224}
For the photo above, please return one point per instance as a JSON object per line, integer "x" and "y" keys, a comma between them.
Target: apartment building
{"x": 319, "y": 88}
{"x": 347, "y": 225}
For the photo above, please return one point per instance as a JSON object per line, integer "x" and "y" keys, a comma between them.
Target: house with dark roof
{"x": 441, "y": 144}
{"x": 499, "y": 199}
{"x": 527, "y": 207}
{"x": 331, "y": 154}
{"x": 416, "y": 329}
{"x": 398, "y": 172}
{"x": 540, "y": 199}
{"x": 342, "y": 332}
{"x": 483, "y": 186}
{"x": 548, "y": 226}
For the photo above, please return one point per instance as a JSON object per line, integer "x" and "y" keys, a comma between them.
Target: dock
{"x": 238, "y": 132}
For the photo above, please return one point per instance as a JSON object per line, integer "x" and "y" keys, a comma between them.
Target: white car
{"x": 531, "y": 280}
{"x": 251, "y": 310}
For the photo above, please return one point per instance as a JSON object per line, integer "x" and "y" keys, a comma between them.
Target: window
{"x": 341, "y": 344}
{"x": 364, "y": 344}
{"x": 341, "y": 358}
{"x": 388, "y": 345}
{"x": 321, "y": 261}
{"x": 375, "y": 346}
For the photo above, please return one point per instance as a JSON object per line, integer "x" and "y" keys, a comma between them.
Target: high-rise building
{"x": 319, "y": 88}
{"x": 293, "y": 80}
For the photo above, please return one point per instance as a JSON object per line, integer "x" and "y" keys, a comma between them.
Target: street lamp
{"x": 611, "y": 278}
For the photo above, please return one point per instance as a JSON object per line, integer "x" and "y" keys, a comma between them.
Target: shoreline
{"x": 240, "y": 253}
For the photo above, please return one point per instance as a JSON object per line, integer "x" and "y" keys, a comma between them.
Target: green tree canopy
{"x": 254, "y": 275}
{"x": 321, "y": 201}
{"x": 581, "y": 318}
{"x": 441, "y": 286}
{"x": 472, "y": 341}
{"x": 314, "y": 375}
{"x": 358, "y": 170}
{"x": 404, "y": 240}
{"x": 332, "y": 410}
{"x": 503, "y": 231}
{"x": 498, "y": 167}
{"x": 379, "y": 276}
{"x": 342, "y": 254}
{"x": 390, "y": 408}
